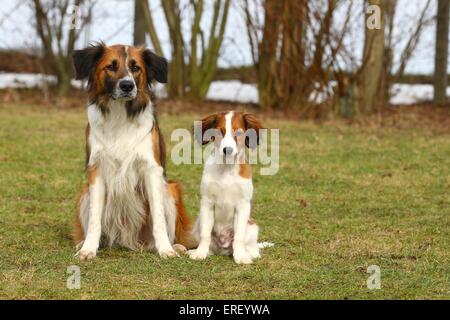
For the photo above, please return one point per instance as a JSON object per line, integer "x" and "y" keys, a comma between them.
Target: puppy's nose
{"x": 126, "y": 85}
{"x": 228, "y": 151}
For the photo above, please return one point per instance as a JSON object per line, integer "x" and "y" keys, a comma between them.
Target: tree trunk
{"x": 281, "y": 60}
{"x": 441, "y": 58}
{"x": 63, "y": 83}
{"x": 58, "y": 44}
{"x": 267, "y": 64}
{"x": 177, "y": 85}
{"x": 139, "y": 24}
{"x": 202, "y": 73}
{"x": 370, "y": 94}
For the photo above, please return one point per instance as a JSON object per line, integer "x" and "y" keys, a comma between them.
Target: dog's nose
{"x": 228, "y": 151}
{"x": 126, "y": 85}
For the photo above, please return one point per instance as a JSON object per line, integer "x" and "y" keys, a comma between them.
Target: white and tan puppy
{"x": 224, "y": 225}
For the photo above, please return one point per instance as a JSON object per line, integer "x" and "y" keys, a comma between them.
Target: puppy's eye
{"x": 135, "y": 69}
{"x": 110, "y": 67}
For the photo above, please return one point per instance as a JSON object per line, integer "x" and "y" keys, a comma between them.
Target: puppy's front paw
{"x": 242, "y": 258}
{"x": 254, "y": 253}
{"x": 179, "y": 248}
{"x": 167, "y": 253}
{"x": 197, "y": 254}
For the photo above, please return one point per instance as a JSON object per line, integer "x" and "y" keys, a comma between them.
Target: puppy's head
{"x": 119, "y": 72}
{"x": 230, "y": 132}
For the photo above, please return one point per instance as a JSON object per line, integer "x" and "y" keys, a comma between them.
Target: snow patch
{"x": 233, "y": 91}
{"x": 412, "y": 93}
{"x": 24, "y": 80}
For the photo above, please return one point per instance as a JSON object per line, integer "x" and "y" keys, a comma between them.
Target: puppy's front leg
{"x": 206, "y": 226}
{"x": 240, "y": 254}
{"x": 94, "y": 229}
{"x": 155, "y": 186}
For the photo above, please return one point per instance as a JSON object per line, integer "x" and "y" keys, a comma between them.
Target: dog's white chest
{"x": 121, "y": 147}
{"x": 225, "y": 187}
{"x": 122, "y": 150}
{"x": 117, "y": 137}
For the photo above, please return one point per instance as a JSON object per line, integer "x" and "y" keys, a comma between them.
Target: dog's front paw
{"x": 88, "y": 251}
{"x": 87, "y": 254}
{"x": 167, "y": 253}
{"x": 197, "y": 254}
{"x": 254, "y": 253}
{"x": 242, "y": 258}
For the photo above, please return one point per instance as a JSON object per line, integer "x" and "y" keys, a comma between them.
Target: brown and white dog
{"x": 224, "y": 225}
{"x": 127, "y": 200}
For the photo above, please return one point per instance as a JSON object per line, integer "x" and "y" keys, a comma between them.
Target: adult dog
{"x": 127, "y": 200}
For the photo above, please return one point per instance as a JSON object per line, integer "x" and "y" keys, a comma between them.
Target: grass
{"x": 346, "y": 197}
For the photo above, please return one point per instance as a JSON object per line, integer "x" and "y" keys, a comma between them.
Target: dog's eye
{"x": 110, "y": 67}
{"x": 135, "y": 68}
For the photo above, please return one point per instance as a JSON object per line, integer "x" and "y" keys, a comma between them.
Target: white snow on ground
{"x": 412, "y": 93}
{"x": 233, "y": 91}
{"x": 24, "y": 80}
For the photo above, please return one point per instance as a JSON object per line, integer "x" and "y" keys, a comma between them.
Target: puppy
{"x": 224, "y": 225}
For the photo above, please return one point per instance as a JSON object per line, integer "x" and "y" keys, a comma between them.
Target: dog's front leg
{"x": 94, "y": 229}
{"x": 240, "y": 254}
{"x": 206, "y": 226}
{"x": 155, "y": 186}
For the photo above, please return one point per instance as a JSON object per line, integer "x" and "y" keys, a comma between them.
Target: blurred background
{"x": 314, "y": 59}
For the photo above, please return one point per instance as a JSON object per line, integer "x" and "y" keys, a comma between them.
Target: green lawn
{"x": 346, "y": 197}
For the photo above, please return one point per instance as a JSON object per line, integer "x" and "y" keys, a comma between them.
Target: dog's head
{"x": 119, "y": 72}
{"x": 230, "y": 131}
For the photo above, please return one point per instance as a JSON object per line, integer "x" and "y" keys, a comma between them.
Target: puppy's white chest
{"x": 226, "y": 188}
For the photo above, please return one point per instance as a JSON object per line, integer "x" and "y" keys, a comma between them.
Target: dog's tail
{"x": 265, "y": 244}
{"x": 183, "y": 224}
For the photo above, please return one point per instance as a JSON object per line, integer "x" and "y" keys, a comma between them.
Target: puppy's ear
{"x": 85, "y": 60}
{"x": 207, "y": 123}
{"x": 157, "y": 67}
{"x": 252, "y": 130}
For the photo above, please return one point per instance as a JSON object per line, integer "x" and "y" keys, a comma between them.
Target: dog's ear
{"x": 85, "y": 60}
{"x": 157, "y": 67}
{"x": 252, "y": 130}
{"x": 207, "y": 123}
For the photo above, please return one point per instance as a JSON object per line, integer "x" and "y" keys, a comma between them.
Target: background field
{"x": 346, "y": 197}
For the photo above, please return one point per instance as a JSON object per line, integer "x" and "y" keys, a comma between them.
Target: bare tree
{"x": 411, "y": 45}
{"x": 441, "y": 59}
{"x": 368, "y": 89}
{"x": 369, "y": 80}
{"x": 58, "y": 31}
{"x": 194, "y": 60}
{"x": 203, "y": 59}
{"x": 294, "y": 50}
